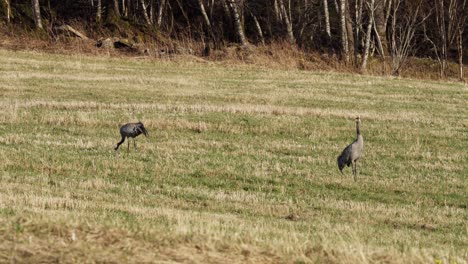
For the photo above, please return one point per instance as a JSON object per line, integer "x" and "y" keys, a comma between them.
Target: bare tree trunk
{"x": 278, "y": 13}
{"x": 238, "y": 22}
{"x": 207, "y": 20}
{"x": 205, "y": 16}
{"x": 389, "y": 9}
{"x": 151, "y": 12}
{"x": 452, "y": 20}
{"x": 124, "y": 9}
{"x": 349, "y": 29}
{"x": 37, "y": 14}
{"x": 259, "y": 28}
{"x": 162, "y": 3}
{"x": 357, "y": 27}
{"x": 116, "y": 8}
{"x": 8, "y": 10}
{"x": 440, "y": 9}
{"x": 145, "y": 13}
{"x": 380, "y": 46}
{"x": 185, "y": 16}
{"x": 381, "y": 25}
{"x": 211, "y": 6}
{"x": 287, "y": 20}
{"x": 171, "y": 12}
{"x": 99, "y": 12}
{"x": 344, "y": 35}
{"x": 462, "y": 17}
{"x": 460, "y": 53}
{"x": 327, "y": 24}
{"x": 368, "y": 37}
{"x": 227, "y": 12}
{"x": 402, "y": 35}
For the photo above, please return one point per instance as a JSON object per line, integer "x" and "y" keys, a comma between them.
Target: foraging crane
{"x": 352, "y": 152}
{"x": 131, "y": 130}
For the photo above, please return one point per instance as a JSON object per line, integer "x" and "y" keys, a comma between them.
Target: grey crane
{"x": 352, "y": 152}
{"x": 131, "y": 130}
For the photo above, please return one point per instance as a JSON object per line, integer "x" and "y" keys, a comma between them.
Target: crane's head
{"x": 358, "y": 119}
{"x": 142, "y": 128}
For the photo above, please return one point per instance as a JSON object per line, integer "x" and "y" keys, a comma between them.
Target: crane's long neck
{"x": 358, "y": 130}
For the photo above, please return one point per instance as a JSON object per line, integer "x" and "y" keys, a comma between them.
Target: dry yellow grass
{"x": 232, "y": 152}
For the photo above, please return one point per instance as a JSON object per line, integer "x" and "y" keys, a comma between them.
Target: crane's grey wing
{"x": 345, "y": 158}
{"x": 142, "y": 130}
{"x": 126, "y": 129}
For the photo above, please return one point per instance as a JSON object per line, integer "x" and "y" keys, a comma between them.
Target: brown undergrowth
{"x": 275, "y": 55}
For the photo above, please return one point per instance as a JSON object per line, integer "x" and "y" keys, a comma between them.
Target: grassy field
{"x": 232, "y": 152}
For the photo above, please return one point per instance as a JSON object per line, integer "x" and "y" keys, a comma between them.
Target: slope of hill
{"x": 233, "y": 153}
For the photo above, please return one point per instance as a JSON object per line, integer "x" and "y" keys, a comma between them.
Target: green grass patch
{"x": 233, "y": 152}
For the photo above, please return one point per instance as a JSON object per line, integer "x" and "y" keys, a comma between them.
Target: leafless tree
{"x": 449, "y": 23}
{"x": 402, "y": 33}
{"x": 460, "y": 53}
{"x": 116, "y": 8}
{"x": 258, "y": 27}
{"x": 349, "y": 30}
{"x": 344, "y": 34}
{"x": 99, "y": 12}
{"x": 368, "y": 36}
{"x": 288, "y": 20}
{"x": 37, "y": 14}
{"x": 357, "y": 27}
{"x": 124, "y": 9}
{"x": 456, "y": 23}
{"x": 205, "y": 15}
{"x": 327, "y": 22}
{"x": 380, "y": 26}
{"x": 184, "y": 14}
{"x": 162, "y": 4}
{"x": 145, "y": 12}
{"x": 238, "y": 22}
{"x": 462, "y": 18}
{"x": 440, "y": 18}
{"x": 207, "y": 21}
{"x": 390, "y": 29}
{"x": 8, "y": 10}
{"x": 227, "y": 12}
{"x": 278, "y": 13}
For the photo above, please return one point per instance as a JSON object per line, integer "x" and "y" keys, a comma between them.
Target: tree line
{"x": 353, "y": 30}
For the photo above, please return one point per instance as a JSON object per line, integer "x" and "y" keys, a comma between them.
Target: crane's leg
{"x": 128, "y": 145}
{"x": 353, "y": 167}
{"x": 355, "y": 178}
{"x": 134, "y": 143}
{"x": 120, "y": 143}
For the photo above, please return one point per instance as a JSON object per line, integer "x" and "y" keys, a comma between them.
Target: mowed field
{"x": 232, "y": 152}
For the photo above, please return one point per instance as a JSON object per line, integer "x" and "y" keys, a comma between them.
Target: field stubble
{"x": 232, "y": 152}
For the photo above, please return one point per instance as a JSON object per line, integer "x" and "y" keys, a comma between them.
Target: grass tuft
{"x": 240, "y": 164}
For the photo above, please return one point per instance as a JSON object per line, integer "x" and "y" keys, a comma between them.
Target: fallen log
{"x": 71, "y": 31}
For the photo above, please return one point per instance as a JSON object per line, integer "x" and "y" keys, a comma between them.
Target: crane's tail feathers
{"x": 143, "y": 130}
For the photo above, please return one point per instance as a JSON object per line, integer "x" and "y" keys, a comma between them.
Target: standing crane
{"x": 131, "y": 130}
{"x": 352, "y": 152}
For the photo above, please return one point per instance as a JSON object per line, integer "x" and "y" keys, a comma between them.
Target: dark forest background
{"x": 352, "y": 32}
